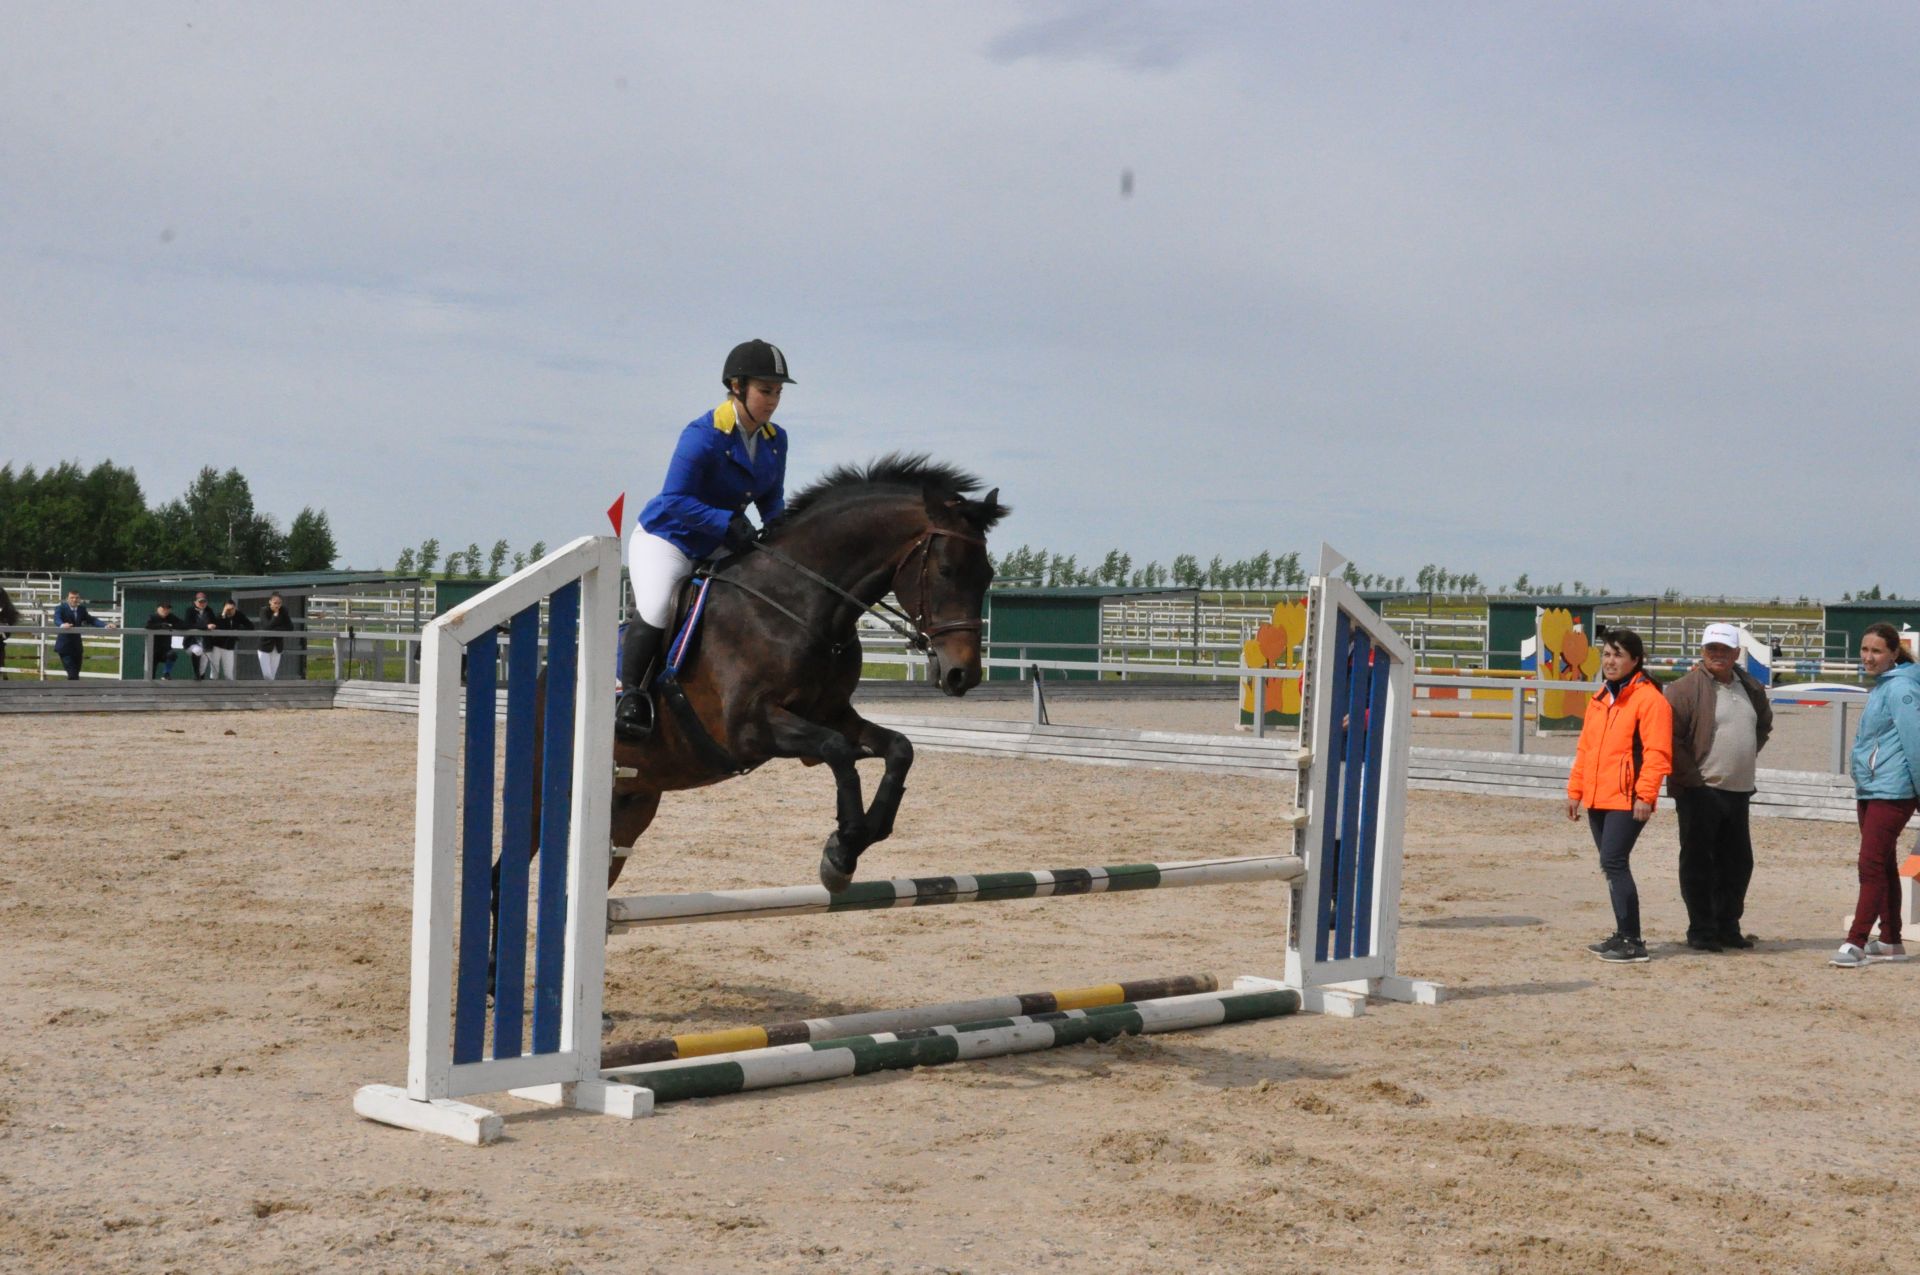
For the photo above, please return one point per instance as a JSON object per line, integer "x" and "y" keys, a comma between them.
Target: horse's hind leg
{"x": 632, "y": 813}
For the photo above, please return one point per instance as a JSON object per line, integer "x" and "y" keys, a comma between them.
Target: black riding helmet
{"x": 755, "y": 360}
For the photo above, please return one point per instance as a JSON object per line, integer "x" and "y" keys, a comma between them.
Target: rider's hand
{"x": 741, "y": 533}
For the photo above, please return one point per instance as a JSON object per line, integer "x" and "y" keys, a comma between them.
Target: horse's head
{"x": 942, "y": 583}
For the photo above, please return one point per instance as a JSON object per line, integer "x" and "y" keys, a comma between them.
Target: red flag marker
{"x": 617, "y": 514}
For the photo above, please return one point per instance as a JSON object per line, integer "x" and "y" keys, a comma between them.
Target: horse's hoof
{"x": 836, "y": 866}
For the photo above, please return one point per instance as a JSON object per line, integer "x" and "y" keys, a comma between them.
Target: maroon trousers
{"x": 1881, "y": 823}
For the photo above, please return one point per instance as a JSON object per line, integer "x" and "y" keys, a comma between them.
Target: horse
{"x": 779, "y": 655}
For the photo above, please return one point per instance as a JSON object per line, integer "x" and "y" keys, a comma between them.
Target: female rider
{"x": 727, "y": 458}
{"x": 1886, "y": 782}
{"x": 1625, "y": 751}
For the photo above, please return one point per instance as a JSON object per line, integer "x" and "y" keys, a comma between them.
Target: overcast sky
{"x": 1623, "y": 293}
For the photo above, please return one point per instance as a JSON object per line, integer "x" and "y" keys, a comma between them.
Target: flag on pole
{"x": 617, "y": 514}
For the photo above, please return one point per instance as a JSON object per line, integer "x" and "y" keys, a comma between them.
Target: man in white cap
{"x": 1721, "y": 720}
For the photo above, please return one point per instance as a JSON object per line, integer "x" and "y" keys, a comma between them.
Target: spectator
{"x": 200, "y": 618}
{"x": 73, "y": 614}
{"x": 166, "y": 647}
{"x": 274, "y": 618}
{"x": 1886, "y": 784}
{"x": 230, "y": 620}
{"x": 1625, "y": 750}
{"x": 1721, "y": 720}
{"x": 9, "y": 614}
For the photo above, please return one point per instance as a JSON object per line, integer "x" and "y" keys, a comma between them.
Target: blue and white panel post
{"x": 1356, "y": 724}
{"x": 548, "y": 1051}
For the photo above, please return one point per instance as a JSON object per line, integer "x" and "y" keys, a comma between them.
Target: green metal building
{"x": 1846, "y": 623}
{"x": 1510, "y": 621}
{"x": 1060, "y": 623}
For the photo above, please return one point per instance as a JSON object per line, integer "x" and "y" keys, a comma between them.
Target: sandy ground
{"x": 207, "y": 918}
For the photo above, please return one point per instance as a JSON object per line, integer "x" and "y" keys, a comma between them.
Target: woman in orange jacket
{"x": 1626, "y": 750}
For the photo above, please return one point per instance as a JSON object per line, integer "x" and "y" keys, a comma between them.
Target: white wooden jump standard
{"x": 1344, "y": 874}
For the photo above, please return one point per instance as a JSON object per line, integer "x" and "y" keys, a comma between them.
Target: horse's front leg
{"x": 896, "y": 750}
{"x": 795, "y": 736}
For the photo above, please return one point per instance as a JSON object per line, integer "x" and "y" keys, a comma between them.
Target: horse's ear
{"x": 992, "y": 499}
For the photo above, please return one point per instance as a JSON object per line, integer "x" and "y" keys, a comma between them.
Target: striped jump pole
{"x": 871, "y": 1022}
{"x": 910, "y": 892}
{"x": 931, "y": 1046}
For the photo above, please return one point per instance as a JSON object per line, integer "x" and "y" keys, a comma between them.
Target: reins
{"x": 914, "y": 628}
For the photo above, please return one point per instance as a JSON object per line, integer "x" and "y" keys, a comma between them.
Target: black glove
{"x": 741, "y": 533}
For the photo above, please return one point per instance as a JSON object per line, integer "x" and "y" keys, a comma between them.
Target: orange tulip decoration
{"x": 1276, "y": 645}
{"x": 1566, "y": 655}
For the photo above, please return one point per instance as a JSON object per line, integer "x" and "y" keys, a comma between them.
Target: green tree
{"x": 403, "y": 565}
{"x": 497, "y": 560}
{"x": 428, "y": 556}
{"x": 310, "y": 544}
{"x": 536, "y": 551}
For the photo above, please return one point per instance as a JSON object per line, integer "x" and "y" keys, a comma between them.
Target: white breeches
{"x": 269, "y": 664}
{"x": 655, "y": 568}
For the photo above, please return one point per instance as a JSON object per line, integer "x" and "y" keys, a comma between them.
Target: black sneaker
{"x": 1622, "y": 950}
{"x": 1699, "y": 944}
{"x": 1736, "y": 939}
{"x": 1604, "y": 944}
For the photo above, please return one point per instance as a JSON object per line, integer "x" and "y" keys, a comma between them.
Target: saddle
{"x": 684, "y": 617}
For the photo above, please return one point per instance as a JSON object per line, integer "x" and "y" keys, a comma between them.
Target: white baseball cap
{"x": 1724, "y": 634}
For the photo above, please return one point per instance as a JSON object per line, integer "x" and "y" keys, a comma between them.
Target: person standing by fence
{"x": 1886, "y": 784}
{"x": 1721, "y": 721}
{"x": 230, "y": 620}
{"x": 274, "y": 619}
{"x": 165, "y": 652}
{"x": 201, "y": 620}
{"x": 72, "y": 616}
{"x": 9, "y": 614}
{"x": 1625, "y": 750}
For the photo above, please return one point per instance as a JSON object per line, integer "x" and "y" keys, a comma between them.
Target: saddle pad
{"x": 681, "y": 648}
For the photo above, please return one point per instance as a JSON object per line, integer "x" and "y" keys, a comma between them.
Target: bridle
{"x": 915, "y": 627}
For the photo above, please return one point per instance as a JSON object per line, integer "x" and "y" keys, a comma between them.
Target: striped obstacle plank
{"x": 871, "y": 1022}
{"x": 907, "y": 892}
{"x": 931, "y": 1046}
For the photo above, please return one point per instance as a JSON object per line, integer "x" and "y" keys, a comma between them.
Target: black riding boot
{"x": 633, "y": 715}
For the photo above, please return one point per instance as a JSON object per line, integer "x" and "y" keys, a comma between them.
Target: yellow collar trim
{"x": 726, "y": 418}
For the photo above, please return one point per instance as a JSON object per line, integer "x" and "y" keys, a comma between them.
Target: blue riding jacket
{"x": 711, "y": 478}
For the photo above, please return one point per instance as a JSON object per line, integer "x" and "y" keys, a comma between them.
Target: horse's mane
{"x": 894, "y": 471}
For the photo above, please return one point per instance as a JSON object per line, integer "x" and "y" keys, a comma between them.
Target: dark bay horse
{"x": 778, "y": 657}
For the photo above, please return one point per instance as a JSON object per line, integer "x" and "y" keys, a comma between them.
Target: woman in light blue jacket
{"x": 1886, "y": 780}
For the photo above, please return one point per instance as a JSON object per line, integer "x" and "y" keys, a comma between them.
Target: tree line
{"x": 465, "y": 562}
{"x": 64, "y": 518}
{"x": 1030, "y": 567}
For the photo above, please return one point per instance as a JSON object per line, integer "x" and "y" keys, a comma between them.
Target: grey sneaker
{"x": 1620, "y": 950}
{"x": 1878, "y": 951}
{"x": 1848, "y": 957}
{"x": 1604, "y": 944}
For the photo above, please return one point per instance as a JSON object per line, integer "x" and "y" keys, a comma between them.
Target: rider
{"x": 732, "y": 455}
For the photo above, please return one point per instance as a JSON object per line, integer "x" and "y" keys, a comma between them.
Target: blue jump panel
{"x": 1370, "y": 797}
{"x": 476, "y": 851}
{"x": 556, "y": 817}
{"x": 516, "y": 835}
{"x": 1358, "y": 652}
{"x": 1331, "y": 788}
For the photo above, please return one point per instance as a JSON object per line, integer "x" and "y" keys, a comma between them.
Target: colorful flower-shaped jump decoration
{"x": 1565, "y": 655}
{"x": 1276, "y": 645}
